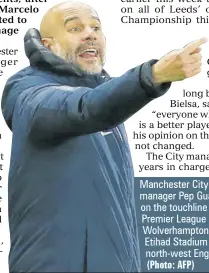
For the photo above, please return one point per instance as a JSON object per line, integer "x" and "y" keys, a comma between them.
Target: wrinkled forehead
{"x": 72, "y": 10}
{"x": 55, "y": 19}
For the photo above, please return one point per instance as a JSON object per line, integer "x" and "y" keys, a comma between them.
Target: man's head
{"x": 72, "y": 30}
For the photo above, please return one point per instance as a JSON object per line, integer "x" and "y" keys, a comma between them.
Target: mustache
{"x": 89, "y": 44}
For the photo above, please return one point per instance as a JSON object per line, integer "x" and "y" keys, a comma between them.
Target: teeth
{"x": 90, "y": 50}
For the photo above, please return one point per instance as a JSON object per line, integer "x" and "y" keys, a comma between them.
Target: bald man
{"x": 71, "y": 181}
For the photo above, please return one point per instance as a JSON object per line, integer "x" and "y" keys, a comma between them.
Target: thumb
{"x": 196, "y": 51}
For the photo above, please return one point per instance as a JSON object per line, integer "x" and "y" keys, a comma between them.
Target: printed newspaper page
{"x": 104, "y": 136}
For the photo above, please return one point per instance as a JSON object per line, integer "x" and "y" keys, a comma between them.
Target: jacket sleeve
{"x": 54, "y": 110}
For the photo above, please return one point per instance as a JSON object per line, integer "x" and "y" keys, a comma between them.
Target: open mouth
{"x": 89, "y": 53}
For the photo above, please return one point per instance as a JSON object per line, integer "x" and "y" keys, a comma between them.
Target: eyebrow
{"x": 76, "y": 17}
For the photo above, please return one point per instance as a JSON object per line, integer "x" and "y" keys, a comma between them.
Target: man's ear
{"x": 47, "y": 42}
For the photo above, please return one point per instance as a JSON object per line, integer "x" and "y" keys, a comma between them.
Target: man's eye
{"x": 96, "y": 28}
{"x": 75, "y": 29}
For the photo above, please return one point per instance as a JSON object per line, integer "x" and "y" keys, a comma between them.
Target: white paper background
{"x": 128, "y": 45}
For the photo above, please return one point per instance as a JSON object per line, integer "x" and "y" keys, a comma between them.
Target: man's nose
{"x": 89, "y": 34}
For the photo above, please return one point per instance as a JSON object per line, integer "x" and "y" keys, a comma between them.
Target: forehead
{"x": 77, "y": 11}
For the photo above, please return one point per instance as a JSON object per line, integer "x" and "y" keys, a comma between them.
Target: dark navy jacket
{"x": 71, "y": 191}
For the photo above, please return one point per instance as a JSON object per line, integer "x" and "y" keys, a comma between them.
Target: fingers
{"x": 189, "y": 68}
{"x": 194, "y": 58}
{"x": 193, "y": 72}
{"x": 186, "y": 65}
{"x": 191, "y": 58}
{"x": 179, "y": 64}
{"x": 192, "y": 65}
{"x": 193, "y": 46}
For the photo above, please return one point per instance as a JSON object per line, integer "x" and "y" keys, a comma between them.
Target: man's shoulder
{"x": 28, "y": 78}
{"x": 31, "y": 74}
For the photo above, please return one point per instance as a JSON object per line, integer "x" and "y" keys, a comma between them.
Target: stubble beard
{"x": 70, "y": 58}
